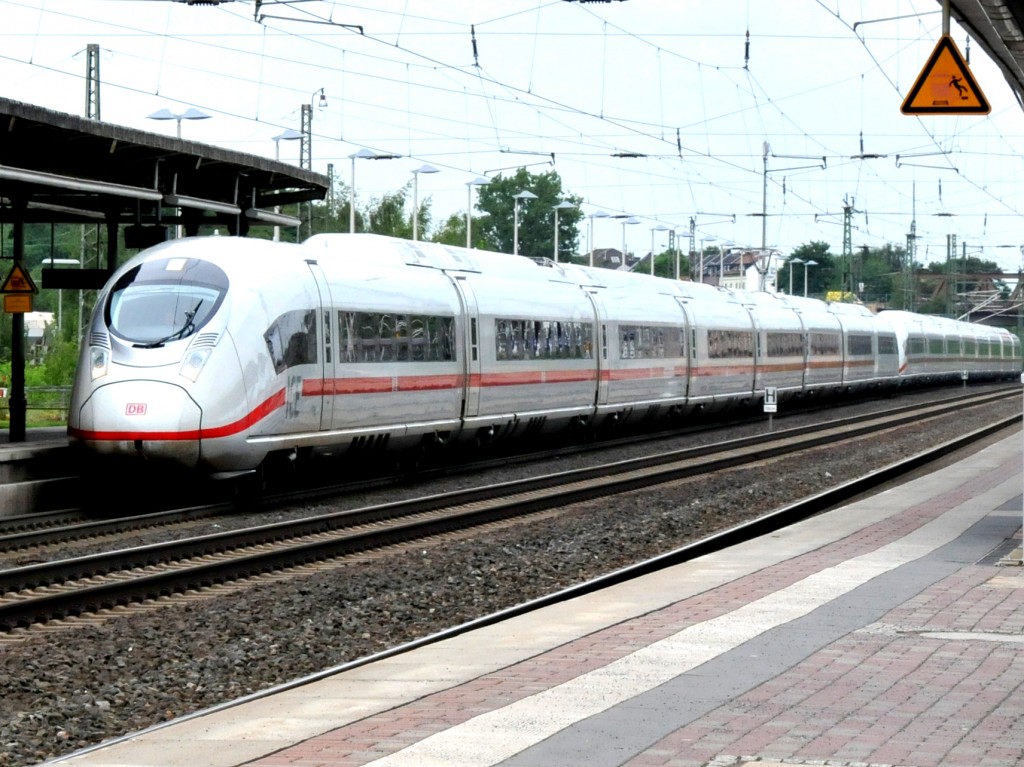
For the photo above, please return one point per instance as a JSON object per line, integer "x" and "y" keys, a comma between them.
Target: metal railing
{"x": 53, "y": 398}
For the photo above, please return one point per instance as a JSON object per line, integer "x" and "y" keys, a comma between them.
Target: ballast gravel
{"x": 65, "y": 690}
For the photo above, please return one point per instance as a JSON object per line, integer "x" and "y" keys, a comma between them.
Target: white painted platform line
{"x": 498, "y": 735}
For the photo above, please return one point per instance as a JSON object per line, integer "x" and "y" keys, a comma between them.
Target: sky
{"x": 748, "y": 120}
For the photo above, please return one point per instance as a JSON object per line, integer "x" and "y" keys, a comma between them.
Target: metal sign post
{"x": 770, "y": 403}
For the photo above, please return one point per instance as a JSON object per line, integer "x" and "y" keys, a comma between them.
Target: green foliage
{"x": 387, "y": 215}
{"x": 60, "y": 363}
{"x": 453, "y": 232}
{"x": 536, "y": 217}
{"x": 825, "y": 275}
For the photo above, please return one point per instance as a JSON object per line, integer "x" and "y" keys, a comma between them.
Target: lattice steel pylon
{"x": 92, "y": 82}
{"x": 848, "y": 211}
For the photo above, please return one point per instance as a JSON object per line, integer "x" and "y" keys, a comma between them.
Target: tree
{"x": 453, "y": 232}
{"x": 386, "y": 215}
{"x": 665, "y": 264}
{"x": 821, "y": 278}
{"x": 536, "y": 217}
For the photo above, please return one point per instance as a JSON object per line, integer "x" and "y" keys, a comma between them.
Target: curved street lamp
{"x": 658, "y": 228}
{"x": 792, "y": 261}
{"x": 807, "y": 266}
{"x": 362, "y": 154}
{"x": 478, "y": 181}
{"x": 523, "y": 195}
{"x": 563, "y": 205}
{"x": 627, "y": 220}
{"x": 287, "y": 135}
{"x": 188, "y": 114}
{"x": 602, "y": 214}
{"x": 416, "y": 197}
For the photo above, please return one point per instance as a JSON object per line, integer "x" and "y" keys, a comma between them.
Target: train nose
{"x": 154, "y": 420}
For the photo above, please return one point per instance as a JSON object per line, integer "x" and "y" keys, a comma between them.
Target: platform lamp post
{"x": 658, "y": 228}
{"x": 592, "y": 216}
{"x": 721, "y": 261}
{"x": 188, "y": 114}
{"x": 807, "y": 267}
{"x": 790, "y": 263}
{"x": 563, "y": 205}
{"x": 416, "y": 197}
{"x": 523, "y": 195}
{"x": 478, "y": 181}
{"x": 306, "y": 147}
{"x": 630, "y": 220}
{"x": 362, "y": 154}
{"x": 306, "y": 153}
{"x": 674, "y": 243}
{"x": 287, "y": 135}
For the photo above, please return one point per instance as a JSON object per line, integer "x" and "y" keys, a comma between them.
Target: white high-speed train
{"x": 214, "y": 353}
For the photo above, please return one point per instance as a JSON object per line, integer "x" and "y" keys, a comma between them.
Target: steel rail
{"x": 331, "y": 536}
{"x": 27, "y": 535}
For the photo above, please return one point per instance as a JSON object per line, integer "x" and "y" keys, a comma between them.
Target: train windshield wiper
{"x": 185, "y": 330}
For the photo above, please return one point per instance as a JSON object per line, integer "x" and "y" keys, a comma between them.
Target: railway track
{"x": 54, "y": 528}
{"x": 51, "y": 590}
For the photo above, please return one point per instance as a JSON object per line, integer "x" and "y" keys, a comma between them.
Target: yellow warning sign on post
{"x": 945, "y": 86}
{"x": 17, "y": 303}
{"x": 18, "y": 281}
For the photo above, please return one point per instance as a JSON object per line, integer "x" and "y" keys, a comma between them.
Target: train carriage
{"x": 643, "y": 336}
{"x": 722, "y": 345}
{"x": 859, "y": 345}
{"x": 823, "y": 365}
{"x": 781, "y": 345}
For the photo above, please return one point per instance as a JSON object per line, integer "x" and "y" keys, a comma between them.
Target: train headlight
{"x": 99, "y": 360}
{"x": 194, "y": 361}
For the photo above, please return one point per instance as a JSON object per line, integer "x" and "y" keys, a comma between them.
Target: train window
{"x": 327, "y": 337}
{"x": 953, "y": 347}
{"x": 291, "y": 339}
{"x": 916, "y": 346}
{"x": 786, "y": 344}
{"x": 384, "y": 337}
{"x": 650, "y": 342}
{"x": 858, "y": 345}
{"x": 419, "y": 339}
{"x": 166, "y": 300}
{"x": 825, "y": 344}
{"x": 730, "y": 344}
{"x": 544, "y": 339}
{"x": 887, "y": 344}
{"x": 936, "y": 346}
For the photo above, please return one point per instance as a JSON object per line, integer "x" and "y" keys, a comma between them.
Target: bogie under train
{"x": 214, "y": 353}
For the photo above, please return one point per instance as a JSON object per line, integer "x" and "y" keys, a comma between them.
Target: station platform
{"x": 36, "y": 473}
{"x": 887, "y": 632}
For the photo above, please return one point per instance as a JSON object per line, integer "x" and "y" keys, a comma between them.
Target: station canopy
{"x": 60, "y": 168}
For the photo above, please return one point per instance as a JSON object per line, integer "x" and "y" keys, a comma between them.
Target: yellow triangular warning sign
{"x": 945, "y": 86}
{"x": 18, "y": 281}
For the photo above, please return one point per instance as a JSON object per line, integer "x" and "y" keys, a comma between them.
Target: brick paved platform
{"x": 890, "y": 632}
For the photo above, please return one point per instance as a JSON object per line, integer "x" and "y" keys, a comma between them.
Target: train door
{"x": 600, "y": 342}
{"x": 687, "y": 341}
{"x": 326, "y": 320}
{"x": 759, "y": 350}
{"x": 470, "y": 342}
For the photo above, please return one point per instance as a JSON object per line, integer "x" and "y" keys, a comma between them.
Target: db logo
{"x": 135, "y": 408}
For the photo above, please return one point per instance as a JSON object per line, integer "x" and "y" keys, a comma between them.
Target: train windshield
{"x": 164, "y": 301}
